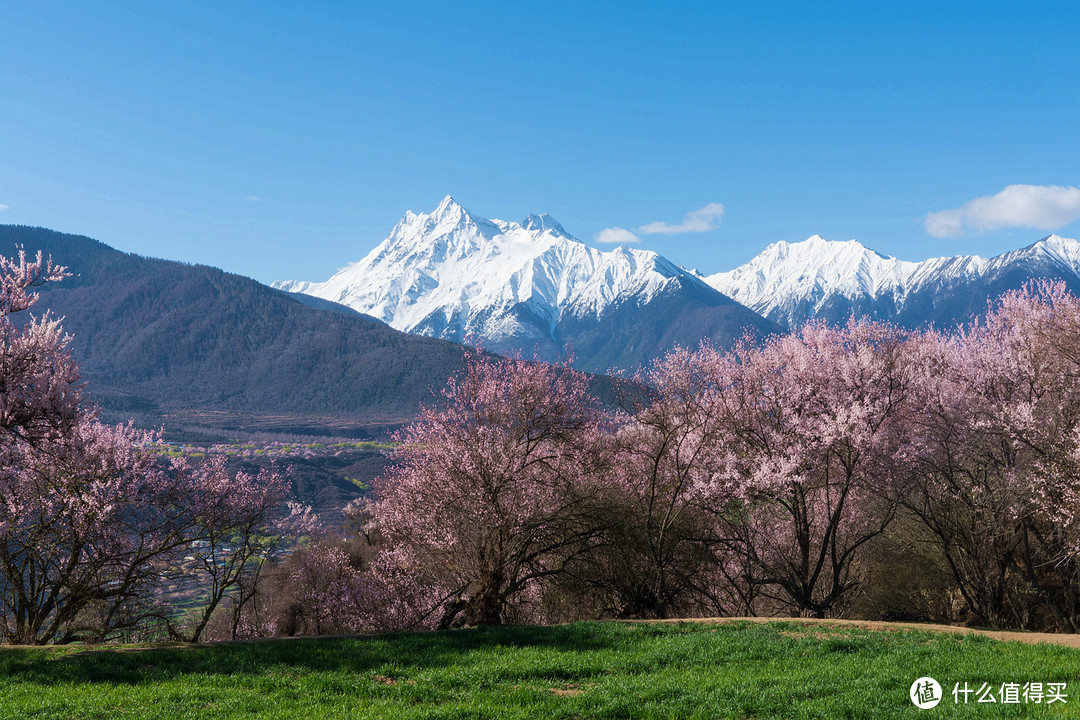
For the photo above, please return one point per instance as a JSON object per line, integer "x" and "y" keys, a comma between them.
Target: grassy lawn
{"x": 589, "y": 670}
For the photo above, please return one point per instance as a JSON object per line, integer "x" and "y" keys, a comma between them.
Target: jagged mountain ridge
{"x": 531, "y": 287}
{"x": 790, "y": 283}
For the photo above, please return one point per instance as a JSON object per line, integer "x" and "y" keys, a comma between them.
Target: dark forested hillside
{"x": 156, "y": 336}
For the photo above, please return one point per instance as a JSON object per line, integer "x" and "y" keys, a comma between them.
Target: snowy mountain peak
{"x": 814, "y": 240}
{"x": 791, "y": 282}
{"x": 448, "y": 205}
{"x": 1061, "y": 250}
{"x": 446, "y": 216}
{"x": 452, "y": 274}
{"x": 1056, "y": 242}
{"x": 449, "y": 229}
{"x": 785, "y": 274}
{"x": 543, "y": 222}
{"x": 817, "y": 247}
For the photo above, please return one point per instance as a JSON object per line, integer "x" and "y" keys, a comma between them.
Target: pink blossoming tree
{"x": 39, "y": 383}
{"x": 998, "y": 448}
{"x": 659, "y": 557}
{"x": 813, "y": 444}
{"x": 492, "y": 493}
{"x": 94, "y": 521}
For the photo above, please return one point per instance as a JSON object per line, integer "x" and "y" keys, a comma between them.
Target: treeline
{"x": 854, "y": 471}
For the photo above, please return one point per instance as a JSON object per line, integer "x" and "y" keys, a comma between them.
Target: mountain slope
{"x": 531, "y": 287}
{"x": 155, "y": 336}
{"x": 790, "y": 283}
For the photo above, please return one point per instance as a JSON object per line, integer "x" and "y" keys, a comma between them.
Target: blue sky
{"x": 282, "y": 140}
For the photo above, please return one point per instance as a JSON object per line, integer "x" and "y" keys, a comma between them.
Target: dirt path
{"x": 1066, "y": 640}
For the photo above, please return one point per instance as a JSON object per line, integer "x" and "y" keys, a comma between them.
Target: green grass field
{"x": 588, "y": 670}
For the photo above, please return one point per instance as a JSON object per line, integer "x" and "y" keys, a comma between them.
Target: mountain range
{"x": 790, "y": 283}
{"x": 156, "y": 337}
{"x": 530, "y": 287}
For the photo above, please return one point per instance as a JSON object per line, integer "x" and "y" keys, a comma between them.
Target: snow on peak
{"x": 542, "y": 222}
{"x": 788, "y": 281}
{"x": 447, "y": 203}
{"x": 449, "y": 214}
{"x": 811, "y": 271}
{"x": 452, "y": 274}
{"x": 1065, "y": 250}
{"x": 1053, "y": 250}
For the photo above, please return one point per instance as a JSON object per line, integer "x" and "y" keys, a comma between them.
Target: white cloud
{"x": 616, "y": 235}
{"x": 1046, "y": 207}
{"x": 253, "y": 198}
{"x": 4, "y": 208}
{"x": 702, "y": 220}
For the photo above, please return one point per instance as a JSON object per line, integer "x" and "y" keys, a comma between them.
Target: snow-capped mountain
{"x": 790, "y": 283}
{"x": 530, "y": 287}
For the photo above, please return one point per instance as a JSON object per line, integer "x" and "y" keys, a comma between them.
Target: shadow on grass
{"x": 419, "y": 650}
